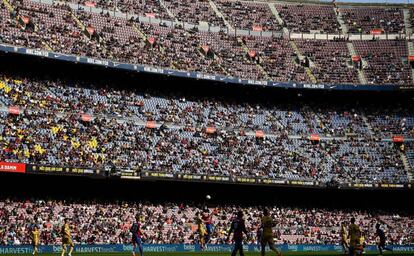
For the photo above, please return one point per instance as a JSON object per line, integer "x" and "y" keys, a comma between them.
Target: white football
{"x": 208, "y": 197}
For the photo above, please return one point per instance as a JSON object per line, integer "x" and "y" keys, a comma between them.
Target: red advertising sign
{"x": 315, "y": 137}
{"x": 151, "y": 40}
{"x": 12, "y": 167}
{"x": 252, "y": 53}
{"x": 205, "y": 48}
{"x": 86, "y": 117}
{"x": 210, "y": 130}
{"x": 14, "y": 110}
{"x": 356, "y": 58}
{"x": 398, "y": 139}
{"x": 376, "y": 31}
{"x": 25, "y": 19}
{"x": 90, "y": 4}
{"x": 151, "y": 124}
{"x": 150, "y": 15}
{"x": 257, "y": 28}
{"x": 410, "y": 58}
{"x": 90, "y": 29}
{"x": 260, "y": 134}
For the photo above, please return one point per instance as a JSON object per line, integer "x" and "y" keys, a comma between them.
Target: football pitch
{"x": 220, "y": 254}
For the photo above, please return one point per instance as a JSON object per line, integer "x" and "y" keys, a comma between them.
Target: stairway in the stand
{"x": 407, "y": 167}
{"x": 407, "y": 22}
{"x": 361, "y": 73}
{"x": 410, "y": 47}
{"x": 301, "y": 57}
{"x": 219, "y": 14}
{"x": 341, "y": 21}
{"x": 172, "y": 16}
{"x": 11, "y": 8}
{"x": 278, "y": 18}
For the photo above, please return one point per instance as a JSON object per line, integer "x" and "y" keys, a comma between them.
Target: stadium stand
{"x": 194, "y": 12}
{"x": 410, "y": 155}
{"x": 365, "y": 20}
{"x": 48, "y": 131}
{"x": 254, "y": 16}
{"x": 109, "y": 35}
{"x": 385, "y": 61}
{"x": 109, "y": 222}
{"x": 146, "y": 8}
{"x": 330, "y": 61}
{"x": 309, "y": 18}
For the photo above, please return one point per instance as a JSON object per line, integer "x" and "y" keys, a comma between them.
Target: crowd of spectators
{"x": 169, "y": 223}
{"x": 385, "y": 63}
{"x": 50, "y": 130}
{"x": 364, "y": 20}
{"x": 194, "y": 12}
{"x": 260, "y": 17}
{"x": 309, "y": 18}
{"x": 59, "y": 28}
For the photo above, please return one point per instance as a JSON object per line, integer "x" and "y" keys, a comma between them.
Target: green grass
{"x": 220, "y": 254}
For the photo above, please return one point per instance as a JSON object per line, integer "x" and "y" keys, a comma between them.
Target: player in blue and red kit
{"x": 208, "y": 221}
{"x": 238, "y": 227}
{"x": 137, "y": 236}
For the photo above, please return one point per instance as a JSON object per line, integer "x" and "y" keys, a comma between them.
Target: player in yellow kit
{"x": 66, "y": 238}
{"x": 35, "y": 239}
{"x": 354, "y": 234}
{"x": 344, "y": 238}
{"x": 267, "y": 233}
{"x": 201, "y": 230}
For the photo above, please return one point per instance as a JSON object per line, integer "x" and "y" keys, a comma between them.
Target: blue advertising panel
{"x": 194, "y": 75}
{"x": 26, "y": 249}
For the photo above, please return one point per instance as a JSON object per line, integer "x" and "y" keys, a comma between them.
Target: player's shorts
{"x": 267, "y": 238}
{"x": 344, "y": 242}
{"x": 136, "y": 241}
{"x": 67, "y": 241}
{"x": 209, "y": 228}
{"x": 238, "y": 245}
{"x": 35, "y": 243}
{"x": 381, "y": 244}
{"x": 202, "y": 231}
{"x": 202, "y": 234}
{"x": 353, "y": 242}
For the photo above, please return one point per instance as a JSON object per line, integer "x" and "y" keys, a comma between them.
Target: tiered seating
{"x": 266, "y": 58}
{"x": 172, "y": 223}
{"x": 194, "y": 11}
{"x": 235, "y": 60}
{"x": 397, "y": 121}
{"x": 410, "y": 155}
{"x": 121, "y": 41}
{"x": 12, "y": 32}
{"x": 386, "y": 61}
{"x": 364, "y": 20}
{"x": 182, "y": 49}
{"x": 278, "y": 59}
{"x": 364, "y": 158}
{"x": 309, "y": 18}
{"x": 342, "y": 121}
{"x": 249, "y": 15}
{"x": 331, "y": 61}
{"x": 57, "y": 27}
{"x": 147, "y": 8}
{"x": 64, "y": 140}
